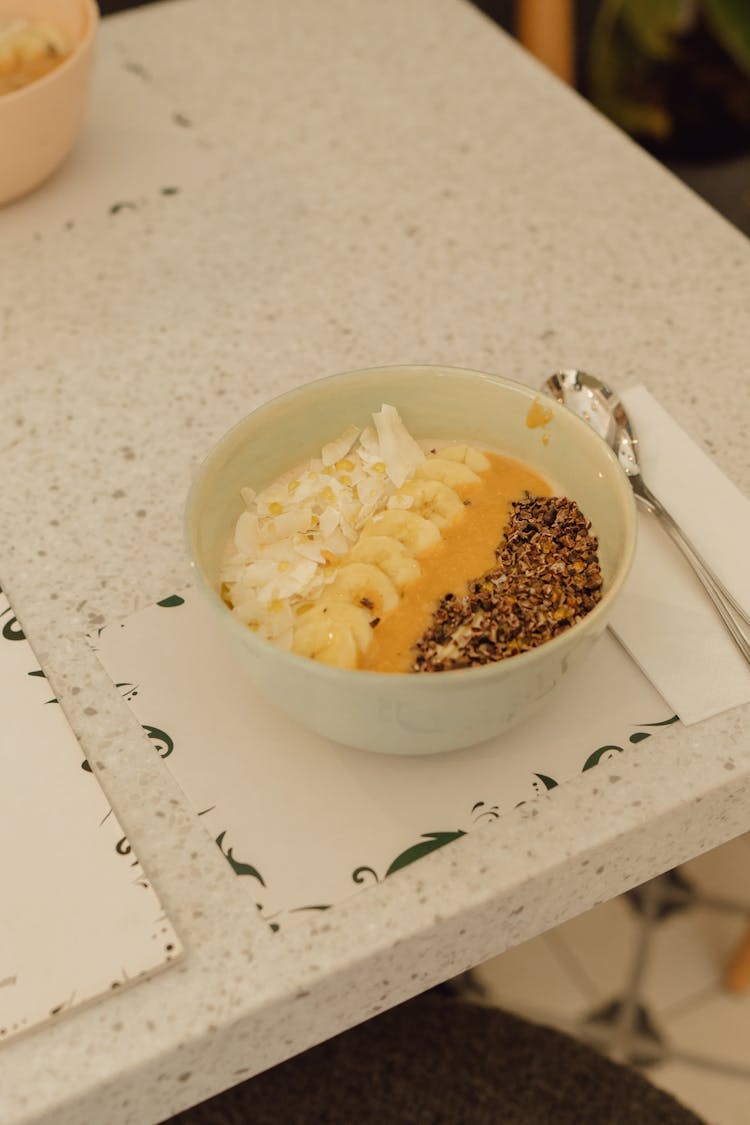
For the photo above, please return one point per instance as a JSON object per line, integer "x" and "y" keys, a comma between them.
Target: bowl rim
{"x": 94, "y": 16}
{"x": 495, "y": 669}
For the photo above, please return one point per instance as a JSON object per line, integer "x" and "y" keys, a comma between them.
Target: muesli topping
{"x": 546, "y": 579}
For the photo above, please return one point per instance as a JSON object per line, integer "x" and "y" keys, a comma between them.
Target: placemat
{"x": 79, "y": 917}
{"x": 304, "y": 822}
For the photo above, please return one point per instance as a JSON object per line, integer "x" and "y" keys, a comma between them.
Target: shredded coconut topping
{"x": 278, "y": 558}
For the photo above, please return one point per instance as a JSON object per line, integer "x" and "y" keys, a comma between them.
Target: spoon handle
{"x": 732, "y": 614}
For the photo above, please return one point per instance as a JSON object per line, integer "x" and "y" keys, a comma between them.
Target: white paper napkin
{"x": 664, "y": 617}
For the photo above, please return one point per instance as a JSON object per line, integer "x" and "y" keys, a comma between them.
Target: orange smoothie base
{"x": 466, "y": 550}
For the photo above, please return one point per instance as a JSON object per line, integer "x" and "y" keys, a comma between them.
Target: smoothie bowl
{"x": 408, "y": 559}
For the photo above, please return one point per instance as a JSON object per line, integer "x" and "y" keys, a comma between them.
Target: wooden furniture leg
{"x": 737, "y": 973}
{"x": 545, "y": 27}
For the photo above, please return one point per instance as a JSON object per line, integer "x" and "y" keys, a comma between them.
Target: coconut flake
{"x": 333, "y": 451}
{"x": 258, "y": 574}
{"x": 329, "y": 521}
{"x": 277, "y": 558}
{"x": 285, "y": 525}
{"x": 308, "y": 548}
{"x": 401, "y": 453}
{"x": 246, "y": 534}
{"x": 369, "y": 446}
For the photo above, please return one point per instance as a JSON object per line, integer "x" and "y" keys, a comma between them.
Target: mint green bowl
{"x": 408, "y": 713}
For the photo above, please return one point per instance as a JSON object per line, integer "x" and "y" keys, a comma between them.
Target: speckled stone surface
{"x": 359, "y": 182}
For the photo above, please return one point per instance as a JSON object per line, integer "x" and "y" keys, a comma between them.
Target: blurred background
{"x": 674, "y": 74}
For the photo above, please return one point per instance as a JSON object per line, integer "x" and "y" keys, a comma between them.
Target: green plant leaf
{"x": 614, "y": 59}
{"x": 431, "y": 841}
{"x": 729, "y": 21}
{"x": 655, "y": 25}
{"x": 172, "y": 600}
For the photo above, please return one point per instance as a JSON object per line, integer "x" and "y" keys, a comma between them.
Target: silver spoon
{"x": 598, "y": 405}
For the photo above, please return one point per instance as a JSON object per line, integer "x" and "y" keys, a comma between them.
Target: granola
{"x": 546, "y": 579}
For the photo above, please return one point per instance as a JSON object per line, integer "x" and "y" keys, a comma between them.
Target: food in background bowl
{"x": 49, "y": 60}
{"x": 29, "y": 49}
{"x": 403, "y": 712}
{"x": 388, "y": 555}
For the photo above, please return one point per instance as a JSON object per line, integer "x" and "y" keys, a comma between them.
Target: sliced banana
{"x": 451, "y": 473}
{"x": 329, "y": 642}
{"x": 390, "y": 555}
{"x": 434, "y": 500}
{"x": 468, "y": 455}
{"x": 415, "y": 532}
{"x": 353, "y": 617}
{"x": 363, "y": 584}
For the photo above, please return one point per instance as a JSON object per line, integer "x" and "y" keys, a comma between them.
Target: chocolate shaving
{"x": 546, "y": 579}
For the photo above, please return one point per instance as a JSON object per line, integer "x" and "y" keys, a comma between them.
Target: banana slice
{"x": 468, "y": 455}
{"x": 390, "y": 555}
{"x": 362, "y": 584}
{"x": 434, "y": 500}
{"x": 342, "y": 613}
{"x": 413, "y": 531}
{"x": 449, "y": 472}
{"x": 329, "y": 642}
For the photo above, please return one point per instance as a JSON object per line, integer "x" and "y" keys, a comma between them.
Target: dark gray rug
{"x": 439, "y": 1061}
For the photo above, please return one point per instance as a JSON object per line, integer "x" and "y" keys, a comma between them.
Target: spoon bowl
{"x": 601, "y": 407}
{"x": 596, "y": 403}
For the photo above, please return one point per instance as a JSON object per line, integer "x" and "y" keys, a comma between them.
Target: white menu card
{"x": 79, "y": 917}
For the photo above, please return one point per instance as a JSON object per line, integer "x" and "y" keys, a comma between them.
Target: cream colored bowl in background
{"x": 40, "y": 122}
{"x": 406, "y": 713}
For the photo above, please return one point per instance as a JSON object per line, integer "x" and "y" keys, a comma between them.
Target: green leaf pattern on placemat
{"x": 172, "y": 601}
{"x": 606, "y": 753}
{"x": 11, "y": 630}
{"x": 241, "y": 868}
{"x": 431, "y": 841}
{"x": 163, "y": 744}
{"x": 428, "y": 842}
{"x": 547, "y": 782}
{"x": 123, "y": 848}
{"x": 257, "y": 857}
{"x": 237, "y": 866}
{"x": 39, "y": 674}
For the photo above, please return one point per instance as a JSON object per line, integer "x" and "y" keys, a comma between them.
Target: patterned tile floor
{"x": 641, "y": 978}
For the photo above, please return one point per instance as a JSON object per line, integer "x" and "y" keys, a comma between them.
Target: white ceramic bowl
{"x": 411, "y": 713}
{"x": 40, "y": 122}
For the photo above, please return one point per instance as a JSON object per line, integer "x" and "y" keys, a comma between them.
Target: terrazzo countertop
{"x": 266, "y": 193}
